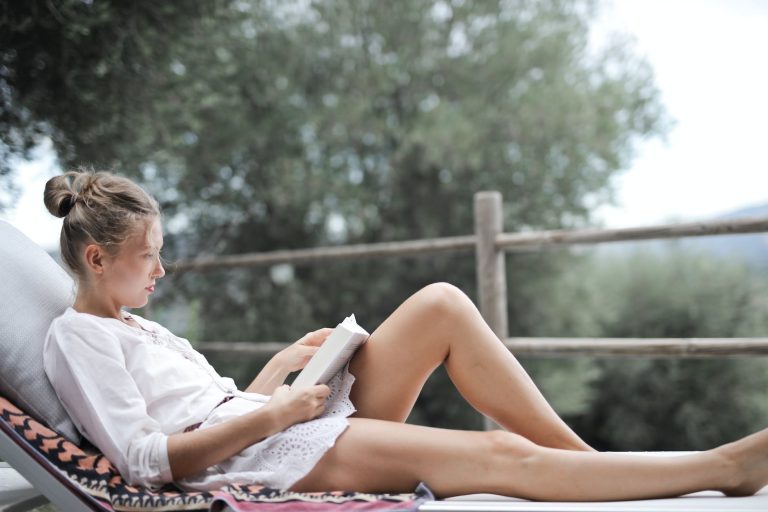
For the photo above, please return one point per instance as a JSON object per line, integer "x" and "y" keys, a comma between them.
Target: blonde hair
{"x": 98, "y": 208}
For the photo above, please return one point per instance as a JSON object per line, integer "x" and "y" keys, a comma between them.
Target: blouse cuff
{"x": 165, "y": 462}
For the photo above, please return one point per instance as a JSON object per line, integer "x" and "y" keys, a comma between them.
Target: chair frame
{"x": 43, "y": 475}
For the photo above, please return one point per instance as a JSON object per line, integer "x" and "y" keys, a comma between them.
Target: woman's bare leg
{"x": 440, "y": 324}
{"x": 397, "y": 456}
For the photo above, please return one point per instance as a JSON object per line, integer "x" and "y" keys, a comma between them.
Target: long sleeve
{"x": 87, "y": 368}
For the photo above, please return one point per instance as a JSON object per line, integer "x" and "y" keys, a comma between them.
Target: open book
{"x": 333, "y": 354}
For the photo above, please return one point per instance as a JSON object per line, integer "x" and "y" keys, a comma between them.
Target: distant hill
{"x": 752, "y": 249}
{"x": 750, "y": 211}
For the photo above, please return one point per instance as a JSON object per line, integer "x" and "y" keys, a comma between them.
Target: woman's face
{"x": 131, "y": 274}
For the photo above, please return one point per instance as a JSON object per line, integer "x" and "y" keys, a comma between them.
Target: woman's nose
{"x": 159, "y": 270}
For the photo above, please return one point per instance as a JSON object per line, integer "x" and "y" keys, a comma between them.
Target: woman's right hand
{"x": 291, "y": 406}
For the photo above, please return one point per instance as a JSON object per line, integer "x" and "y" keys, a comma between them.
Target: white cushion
{"x": 35, "y": 291}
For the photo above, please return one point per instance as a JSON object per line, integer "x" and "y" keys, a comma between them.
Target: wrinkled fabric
{"x": 284, "y": 458}
{"x": 127, "y": 389}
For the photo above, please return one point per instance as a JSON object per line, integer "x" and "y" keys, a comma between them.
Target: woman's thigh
{"x": 384, "y": 456}
{"x": 392, "y": 367}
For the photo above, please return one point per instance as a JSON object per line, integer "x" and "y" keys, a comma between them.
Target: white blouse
{"x": 127, "y": 389}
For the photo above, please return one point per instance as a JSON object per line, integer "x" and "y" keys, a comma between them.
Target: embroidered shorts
{"x": 280, "y": 460}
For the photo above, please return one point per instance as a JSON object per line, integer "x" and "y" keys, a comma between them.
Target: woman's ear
{"x": 94, "y": 259}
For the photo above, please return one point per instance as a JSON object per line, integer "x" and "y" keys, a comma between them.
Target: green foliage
{"x": 681, "y": 295}
{"x": 272, "y": 125}
{"x": 660, "y": 404}
{"x": 380, "y": 119}
{"x": 81, "y": 72}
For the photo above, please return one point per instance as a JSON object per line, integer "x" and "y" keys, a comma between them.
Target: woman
{"x": 158, "y": 410}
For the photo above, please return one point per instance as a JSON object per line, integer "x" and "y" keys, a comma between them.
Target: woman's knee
{"x": 442, "y": 298}
{"x": 510, "y": 447}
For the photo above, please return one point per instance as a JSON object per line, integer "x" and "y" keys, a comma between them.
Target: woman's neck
{"x": 89, "y": 302}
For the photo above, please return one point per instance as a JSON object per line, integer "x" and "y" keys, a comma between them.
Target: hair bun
{"x": 66, "y": 205}
{"x": 59, "y": 196}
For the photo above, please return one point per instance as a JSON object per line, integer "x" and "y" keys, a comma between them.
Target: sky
{"x": 709, "y": 61}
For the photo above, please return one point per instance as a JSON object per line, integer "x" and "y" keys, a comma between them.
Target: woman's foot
{"x": 749, "y": 458}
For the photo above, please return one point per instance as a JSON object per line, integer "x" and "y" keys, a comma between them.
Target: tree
{"x": 266, "y": 125}
{"x": 375, "y": 117}
{"x": 72, "y": 70}
{"x": 665, "y": 404}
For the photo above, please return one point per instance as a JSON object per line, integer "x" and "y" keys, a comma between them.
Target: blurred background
{"x": 264, "y": 125}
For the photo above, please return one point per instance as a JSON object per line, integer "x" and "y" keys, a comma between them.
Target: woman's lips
{"x": 150, "y": 289}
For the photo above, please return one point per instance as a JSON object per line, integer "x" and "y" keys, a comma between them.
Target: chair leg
{"x": 16, "y": 493}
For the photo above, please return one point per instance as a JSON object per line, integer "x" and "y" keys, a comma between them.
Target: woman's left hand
{"x": 296, "y": 356}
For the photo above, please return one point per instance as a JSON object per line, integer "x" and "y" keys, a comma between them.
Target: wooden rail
{"x": 651, "y": 347}
{"x": 550, "y": 239}
{"x": 487, "y": 210}
{"x": 558, "y": 347}
{"x": 358, "y": 251}
{"x": 490, "y": 243}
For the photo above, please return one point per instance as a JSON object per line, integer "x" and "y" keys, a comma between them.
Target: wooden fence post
{"x": 491, "y": 269}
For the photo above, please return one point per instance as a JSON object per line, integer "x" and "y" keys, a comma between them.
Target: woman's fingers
{"x": 316, "y": 338}
{"x": 308, "y": 351}
{"x": 322, "y": 391}
{"x": 313, "y": 399}
{"x": 300, "y": 404}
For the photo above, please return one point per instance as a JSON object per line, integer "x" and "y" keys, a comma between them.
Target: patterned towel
{"x": 86, "y": 470}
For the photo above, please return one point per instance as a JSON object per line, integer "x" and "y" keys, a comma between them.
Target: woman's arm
{"x": 288, "y": 360}
{"x": 86, "y": 365}
{"x": 191, "y": 452}
{"x": 269, "y": 378}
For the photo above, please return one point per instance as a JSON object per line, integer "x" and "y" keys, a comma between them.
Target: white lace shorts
{"x": 282, "y": 459}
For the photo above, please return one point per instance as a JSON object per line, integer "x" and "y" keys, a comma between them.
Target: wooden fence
{"x": 490, "y": 243}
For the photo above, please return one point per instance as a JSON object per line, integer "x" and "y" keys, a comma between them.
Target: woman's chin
{"x": 138, "y": 303}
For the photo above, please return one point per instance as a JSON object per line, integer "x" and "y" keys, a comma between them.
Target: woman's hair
{"x": 98, "y": 208}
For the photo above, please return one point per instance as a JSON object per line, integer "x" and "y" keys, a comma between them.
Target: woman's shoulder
{"x": 72, "y": 322}
{"x": 73, "y": 318}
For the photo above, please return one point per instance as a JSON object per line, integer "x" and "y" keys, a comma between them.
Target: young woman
{"x": 160, "y": 412}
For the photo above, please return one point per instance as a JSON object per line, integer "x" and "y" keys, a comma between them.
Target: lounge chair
{"x": 78, "y": 478}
